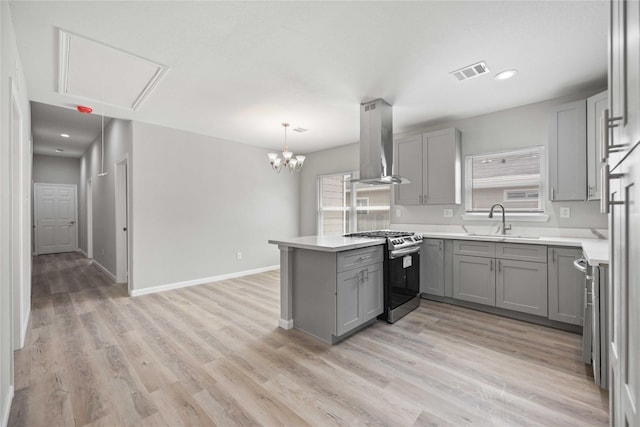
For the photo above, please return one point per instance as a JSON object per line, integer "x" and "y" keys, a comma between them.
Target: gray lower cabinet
{"x": 521, "y": 286}
{"x": 336, "y": 293}
{"x": 506, "y": 275}
{"x": 566, "y": 286}
{"x": 432, "y": 267}
{"x": 358, "y": 297}
{"x": 474, "y": 279}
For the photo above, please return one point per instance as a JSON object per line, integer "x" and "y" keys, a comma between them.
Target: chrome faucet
{"x": 504, "y": 227}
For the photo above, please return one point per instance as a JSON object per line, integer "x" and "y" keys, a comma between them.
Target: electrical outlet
{"x": 447, "y": 213}
{"x": 238, "y": 255}
{"x": 398, "y": 212}
{"x": 565, "y": 212}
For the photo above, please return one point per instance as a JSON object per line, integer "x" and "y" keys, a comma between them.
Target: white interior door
{"x": 56, "y": 218}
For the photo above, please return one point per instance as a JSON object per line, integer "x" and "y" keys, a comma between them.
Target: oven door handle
{"x": 580, "y": 264}
{"x": 402, "y": 252}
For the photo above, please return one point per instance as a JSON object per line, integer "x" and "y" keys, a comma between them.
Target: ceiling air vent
{"x": 470, "y": 71}
{"x": 300, "y": 130}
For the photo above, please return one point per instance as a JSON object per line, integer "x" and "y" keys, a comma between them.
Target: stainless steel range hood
{"x": 376, "y": 145}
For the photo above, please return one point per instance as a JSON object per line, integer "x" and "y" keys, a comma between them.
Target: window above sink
{"x": 514, "y": 178}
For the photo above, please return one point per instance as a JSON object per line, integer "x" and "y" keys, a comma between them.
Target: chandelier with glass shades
{"x": 287, "y": 160}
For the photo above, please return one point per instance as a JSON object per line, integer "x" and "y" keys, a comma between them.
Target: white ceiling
{"x": 49, "y": 122}
{"x": 237, "y": 70}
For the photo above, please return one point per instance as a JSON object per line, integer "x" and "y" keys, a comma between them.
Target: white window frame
{"x": 534, "y": 216}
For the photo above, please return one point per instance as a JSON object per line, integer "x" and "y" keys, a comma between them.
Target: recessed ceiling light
{"x": 64, "y": 135}
{"x": 59, "y": 150}
{"x": 506, "y": 74}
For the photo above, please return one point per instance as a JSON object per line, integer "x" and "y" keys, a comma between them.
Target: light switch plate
{"x": 565, "y": 212}
{"x": 398, "y": 212}
{"x": 447, "y": 213}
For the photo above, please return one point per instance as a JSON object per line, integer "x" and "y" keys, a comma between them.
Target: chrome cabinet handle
{"x": 605, "y": 177}
{"x": 553, "y": 192}
{"x": 499, "y": 266}
{"x": 72, "y": 222}
{"x": 491, "y": 265}
{"x": 440, "y": 245}
{"x": 606, "y": 147}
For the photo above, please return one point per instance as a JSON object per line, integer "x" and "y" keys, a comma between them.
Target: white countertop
{"x": 328, "y": 243}
{"x": 596, "y": 251}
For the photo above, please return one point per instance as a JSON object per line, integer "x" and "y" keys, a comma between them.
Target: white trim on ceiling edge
{"x": 104, "y": 270}
{"x": 6, "y": 407}
{"x": 202, "y": 281}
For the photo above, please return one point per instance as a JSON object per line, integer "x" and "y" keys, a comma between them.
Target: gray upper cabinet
{"x": 441, "y": 174}
{"x": 409, "y": 165}
{"x": 521, "y": 286}
{"x": 432, "y": 267}
{"x": 595, "y": 106}
{"x": 568, "y": 152}
{"x": 566, "y": 286}
{"x": 432, "y": 163}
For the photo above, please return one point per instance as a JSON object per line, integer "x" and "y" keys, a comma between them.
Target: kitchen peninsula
{"x": 311, "y": 268}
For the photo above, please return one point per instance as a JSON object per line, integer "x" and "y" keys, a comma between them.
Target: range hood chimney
{"x": 376, "y": 144}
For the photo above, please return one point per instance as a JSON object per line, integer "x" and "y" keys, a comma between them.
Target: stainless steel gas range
{"x": 401, "y": 271}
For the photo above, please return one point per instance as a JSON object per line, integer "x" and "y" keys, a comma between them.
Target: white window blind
{"x": 513, "y": 178}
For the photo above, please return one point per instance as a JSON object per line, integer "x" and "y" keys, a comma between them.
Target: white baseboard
{"x": 6, "y": 407}
{"x": 194, "y": 282}
{"x": 105, "y": 271}
{"x": 285, "y": 324}
{"x": 83, "y": 253}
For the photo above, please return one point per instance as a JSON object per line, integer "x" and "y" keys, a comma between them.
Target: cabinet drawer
{"x": 521, "y": 252}
{"x": 358, "y": 257}
{"x": 474, "y": 248}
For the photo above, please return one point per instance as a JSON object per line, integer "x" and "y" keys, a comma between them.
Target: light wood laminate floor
{"x": 213, "y": 355}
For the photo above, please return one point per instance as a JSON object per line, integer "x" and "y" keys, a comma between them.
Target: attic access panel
{"x": 98, "y": 72}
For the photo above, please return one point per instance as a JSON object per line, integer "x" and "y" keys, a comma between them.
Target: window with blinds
{"x": 514, "y": 179}
{"x": 340, "y": 213}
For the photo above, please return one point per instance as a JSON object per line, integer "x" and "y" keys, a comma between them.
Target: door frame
{"x": 89, "y": 218}
{"x": 35, "y": 210}
{"x": 21, "y": 295}
{"x": 122, "y": 215}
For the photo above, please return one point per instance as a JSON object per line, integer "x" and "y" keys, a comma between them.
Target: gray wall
{"x": 518, "y": 127}
{"x": 56, "y": 170}
{"x": 198, "y": 200}
{"x": 117, "y": 144}
{"x": 334, "y": 160}
{"x": 11, "y": 69}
